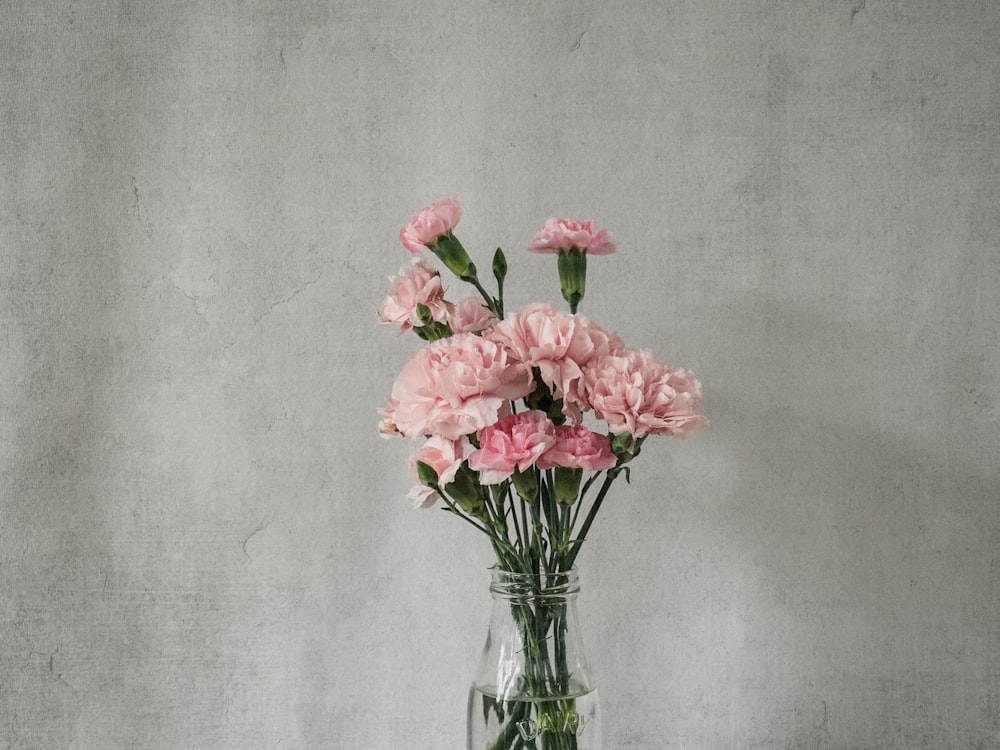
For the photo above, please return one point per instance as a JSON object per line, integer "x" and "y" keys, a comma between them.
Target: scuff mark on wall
{"x": 856, "y": 7}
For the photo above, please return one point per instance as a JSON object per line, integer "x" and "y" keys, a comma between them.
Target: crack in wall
{"x": 295, "y": 293}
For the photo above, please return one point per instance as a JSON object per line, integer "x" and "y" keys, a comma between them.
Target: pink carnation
{"x": 636, "y": 393}
{"x": 562, "y": 234}
{"x": 417, "y": 284}
{"x": 516, "y": 441}
{"x": 577, "y": 447}
{"x": 470, "y": 316}
{"x": 432, "y": 222}
{"x": 445, "y": 457}
{"x": 559, "y": 344}
{"x": 455, "y": 386}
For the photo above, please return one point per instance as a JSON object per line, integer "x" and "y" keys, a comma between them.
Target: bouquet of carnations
{"x": 502, "y": 402}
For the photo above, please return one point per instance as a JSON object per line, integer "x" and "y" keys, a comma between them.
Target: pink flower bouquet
{"x": 500, "y": 402}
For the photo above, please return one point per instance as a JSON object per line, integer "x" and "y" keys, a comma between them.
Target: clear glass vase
{"x": 533, "y": 689}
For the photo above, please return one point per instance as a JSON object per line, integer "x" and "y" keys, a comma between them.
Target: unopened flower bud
{"x": 499, "y": 266}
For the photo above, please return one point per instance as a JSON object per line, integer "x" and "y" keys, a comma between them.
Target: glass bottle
{"x": 533, "y": 689}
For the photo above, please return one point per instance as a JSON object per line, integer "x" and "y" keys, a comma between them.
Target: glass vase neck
{"x": 505, "y": 584}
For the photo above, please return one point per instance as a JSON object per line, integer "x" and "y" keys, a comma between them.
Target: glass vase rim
{"x": 508, "y": 583}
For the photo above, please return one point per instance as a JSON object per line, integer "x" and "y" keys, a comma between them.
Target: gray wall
{"x": 204, "y": 542}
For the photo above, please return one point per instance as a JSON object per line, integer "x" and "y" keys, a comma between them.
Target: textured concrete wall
{"x": 204, "y": 544}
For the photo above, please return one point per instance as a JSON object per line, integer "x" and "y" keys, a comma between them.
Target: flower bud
{"x": 499, "y": 266}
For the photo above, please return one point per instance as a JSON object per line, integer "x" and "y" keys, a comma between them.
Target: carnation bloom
{"x": 432, "y": 222}
{"x": 515, "y": 442}
{"x": 445, "y": 457}
{"x": 470, "y": 316}
{"x": 577, "y": 447}
{"x": 559, "y": 344}
{"x": 455, "y": 386}
{"x": 562, "y": 234}
{"x": 636, "y": 393}
{"x": 417, "y": 284}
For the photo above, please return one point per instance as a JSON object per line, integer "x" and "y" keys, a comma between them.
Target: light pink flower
{"x": 516, "y": 441}
{"x": 445, "y": 457}
{"x": 559, "y": 344}
{"x": 562, "y": 234}
{"x": 417, "y": 284}
{"x": 422, "y": 496}
{"x": 432, "y": 222}
{"x": 455, "y": 386}
{"x": 577, "y": 447}
{"x": 470, "y": 316}
{"x": 634, "y": 392}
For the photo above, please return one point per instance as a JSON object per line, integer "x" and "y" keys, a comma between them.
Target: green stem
{"x": 539, "y": 536}
{"x": 492, "y": 304}
{"x": 582, "y": 536}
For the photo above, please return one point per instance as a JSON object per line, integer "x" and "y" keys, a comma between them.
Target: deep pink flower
{"x": 417, "y": 284}
{"x": 559, "y": 344}
{"x": 445, "y": 457}
{"x": 470, "y": 316}
{"x": 432, "y": 222}
{"x": 634, "y": 392}
{"x": 562, "y": 234}
{"x": 515, "y": 442}
{"x": 455, "y": 386}
{"x": 577, "y": 447}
